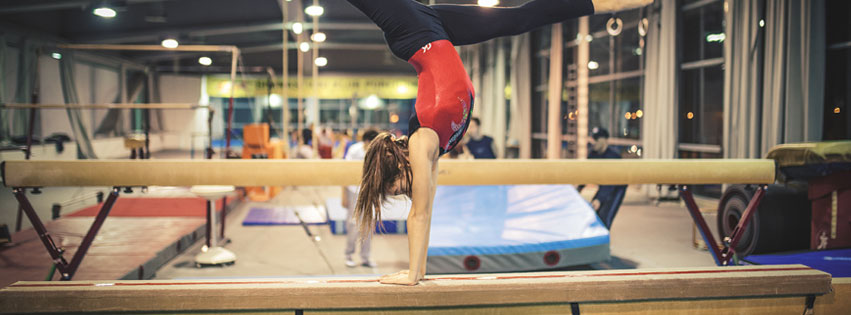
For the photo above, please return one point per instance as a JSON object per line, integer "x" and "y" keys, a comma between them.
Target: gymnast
{"x": 425, "y": 36}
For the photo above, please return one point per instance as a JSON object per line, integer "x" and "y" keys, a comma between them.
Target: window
{"x": 616, "y": 72}
{"x": 541, "y": 39}
{"x": 701, "y": 83}
{"x": 837, "y": 95}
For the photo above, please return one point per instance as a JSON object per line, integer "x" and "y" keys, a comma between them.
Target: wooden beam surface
{"x": 339, "y": 172}
{"x": 105, "y": 106}
{"x": 434, "y": 292}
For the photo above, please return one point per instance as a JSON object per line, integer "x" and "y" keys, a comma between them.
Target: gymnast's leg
{"x": 470, "y": 24}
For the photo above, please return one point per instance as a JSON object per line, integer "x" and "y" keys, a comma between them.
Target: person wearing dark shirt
{"x": 608, "y": 198}
{"x": 480, "y": 146}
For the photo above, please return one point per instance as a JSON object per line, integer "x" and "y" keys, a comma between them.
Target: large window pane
{"x": 599, "y": 62}
{"x": 713, "y": 30}
{"x": 712, "y": 113}
{"x": 570, "y": 29}
{"x": 599, "y": 106}
{"x": 628, "y": 51}
{"x": 837, "y": 95}
{"x": 692, "y": 37}
{"x": 598, "y": 22}
{"x": 539, "y": 148}
{"x": 689, "y": 104}
{"x": 541, "y": 38}
{"x": 539, "y": 112}
{"x": 627, "y": 106}
{"x": 701, "y": 106}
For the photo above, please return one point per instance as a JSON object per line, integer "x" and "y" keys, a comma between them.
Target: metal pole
{"x": 285, "y": 100}
{"x": 90, "y": 236}
{"x": 705, "y": 232}
{"x": 736, "y": 236}
{"x": 38, "y": 226}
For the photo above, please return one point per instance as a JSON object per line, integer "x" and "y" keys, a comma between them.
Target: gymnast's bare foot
{"x": 604, "y": 6}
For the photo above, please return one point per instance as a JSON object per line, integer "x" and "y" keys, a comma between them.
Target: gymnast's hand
{"x": 400, "y": 277}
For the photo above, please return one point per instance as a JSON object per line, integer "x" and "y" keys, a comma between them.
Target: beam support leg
{"x": 705, "y": 232}
{"x": 41, "y": 231}
{"x": 732, "y": 241}
{"x": 722, "y": 256}
{"x": 66, "y": 269}
{"x": 90, "y": 236}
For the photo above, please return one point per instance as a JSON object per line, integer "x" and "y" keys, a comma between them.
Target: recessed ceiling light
{"x": 104, "y": 12}
{"x": 321, "y": 61}
{"x": 170, "y": 43}
{"x": 205, "y": 61}
{"x": 314, "y": 10}
{"x": 318, "y": 37}
{"x": 488, "y": 3}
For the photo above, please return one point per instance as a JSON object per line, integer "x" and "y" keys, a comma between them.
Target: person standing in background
{"x": 350, "y": 194}
{"x": 607, "y": 199}
{"x": 479, "y": 145}
{"x": 304, "y": 150}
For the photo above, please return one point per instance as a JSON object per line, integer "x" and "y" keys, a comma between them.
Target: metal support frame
{"x": 224, "y": 216}
{"x": 66, "y": 269}
{"x": 147, "y": 154}
{"x": 722, "y": 255}
{"x": 211, "y": 211}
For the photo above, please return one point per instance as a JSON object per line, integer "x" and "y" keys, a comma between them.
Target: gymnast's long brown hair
{"x": 386, "y": 160}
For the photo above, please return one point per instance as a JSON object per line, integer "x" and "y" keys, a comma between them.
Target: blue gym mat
{"x": 513, "y": 228}
{"x": 285, "y": 215}
{"x": 836, "y": 262}
{"x": 220, "y": 143}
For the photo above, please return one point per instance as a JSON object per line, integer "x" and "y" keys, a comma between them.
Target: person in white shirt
{"x": 350, "y": 194}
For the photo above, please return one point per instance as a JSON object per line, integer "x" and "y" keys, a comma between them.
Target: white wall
{"x": 183, "y": 127}
{"x": 10, "y": 74}
{"x": 52, "y": 121}
{"x": 101, "y": 84}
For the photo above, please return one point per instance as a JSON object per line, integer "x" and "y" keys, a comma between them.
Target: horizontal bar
{"x": 433, "y": 292}
{"x": 339, "y": 172}
{"x": 223, "y": 48}
{"x": 105, "y": 106}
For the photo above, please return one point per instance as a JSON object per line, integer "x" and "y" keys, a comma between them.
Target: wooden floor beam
{"x": 435, "y": 292}
{"x": 339, "y": 172}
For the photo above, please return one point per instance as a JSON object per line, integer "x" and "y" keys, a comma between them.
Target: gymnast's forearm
{"x": 417, "y": 244}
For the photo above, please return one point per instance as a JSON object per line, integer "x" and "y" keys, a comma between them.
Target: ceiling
{"x": 354, "y": 43}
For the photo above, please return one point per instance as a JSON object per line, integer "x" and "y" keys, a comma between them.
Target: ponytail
{"x": 386, "y": 160}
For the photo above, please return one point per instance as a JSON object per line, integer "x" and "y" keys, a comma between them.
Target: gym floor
{"x": 643, "y": 236}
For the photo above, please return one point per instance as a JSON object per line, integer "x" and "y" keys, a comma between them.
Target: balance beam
{"x": 338, "y": 172}
{"x": 441, "y": 292}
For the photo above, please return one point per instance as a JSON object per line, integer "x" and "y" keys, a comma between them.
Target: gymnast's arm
{"x": 423, "y": 154}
